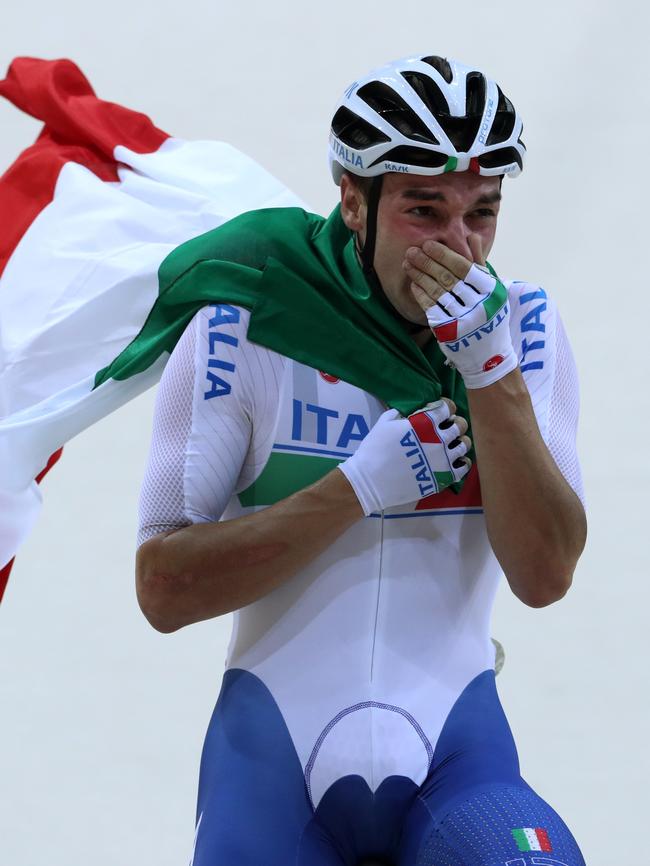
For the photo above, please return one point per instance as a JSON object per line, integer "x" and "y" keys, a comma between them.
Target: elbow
{"x": 544, "y": 596}
{"x": 153, "y": 598}
{"x": 546, "y": 574}
{"x": 157, "y": 617}
{"x": 541, "y": 589}
{"x": 158, "y": 594}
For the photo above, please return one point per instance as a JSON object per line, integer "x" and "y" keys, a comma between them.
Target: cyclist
{"x": 358, "y": 715}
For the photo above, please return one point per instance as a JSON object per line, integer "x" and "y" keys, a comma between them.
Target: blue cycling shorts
{"x": 473, "y": 809}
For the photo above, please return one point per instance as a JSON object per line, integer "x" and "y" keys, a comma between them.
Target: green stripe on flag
{"x": 493, "y": 303}
{"x": 521, "y": 839}
{"x": 285, "y": 474}
{"x": 451, "y": 164}
{"x": 443, "y": 479}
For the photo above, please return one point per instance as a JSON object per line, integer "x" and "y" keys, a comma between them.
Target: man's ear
{"x": 353, "y": 205}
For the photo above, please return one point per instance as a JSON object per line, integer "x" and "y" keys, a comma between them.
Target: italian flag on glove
{"x": 471, "y": 323}
{"x": 403, "y": 460}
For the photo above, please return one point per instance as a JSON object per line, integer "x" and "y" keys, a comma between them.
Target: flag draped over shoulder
{"x": 115, "y": 234}
{"x": 87, "y": 215}
{"x": 300, "y": 276}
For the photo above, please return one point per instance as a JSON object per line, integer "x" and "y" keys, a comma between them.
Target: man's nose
{"x": 455, "y": 235}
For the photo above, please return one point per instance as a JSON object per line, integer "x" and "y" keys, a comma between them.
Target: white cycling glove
{"x": 402, "y": 460}
{"x": 471, "y": 325}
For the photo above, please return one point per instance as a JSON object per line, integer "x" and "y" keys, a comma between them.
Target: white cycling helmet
{"x": 425, "y": 115}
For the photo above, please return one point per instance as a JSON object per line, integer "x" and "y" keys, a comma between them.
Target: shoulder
{"x": 525, "y": 296}
{"x": 533, "y": 323}
{"x": 248, "y": 239}
{"x": 227, "y": 363}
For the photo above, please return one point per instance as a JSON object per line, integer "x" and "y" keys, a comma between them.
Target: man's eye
{"x": 484, "y": 212}
{"x": 422, "y": 210}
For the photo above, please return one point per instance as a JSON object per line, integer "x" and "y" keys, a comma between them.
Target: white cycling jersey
{"x": 367, "y": 648}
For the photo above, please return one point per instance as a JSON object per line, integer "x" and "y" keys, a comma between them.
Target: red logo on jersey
{"x": 493, "y": 362}
{"x": 331, "y": 379}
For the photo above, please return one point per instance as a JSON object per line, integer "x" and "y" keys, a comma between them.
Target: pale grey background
{"x": 102, "y": 719}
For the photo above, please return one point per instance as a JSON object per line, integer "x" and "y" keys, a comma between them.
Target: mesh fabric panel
{"x": 478, "y": 832}
{"x": 162, "y": 503}
{"x": 563, "y": 413}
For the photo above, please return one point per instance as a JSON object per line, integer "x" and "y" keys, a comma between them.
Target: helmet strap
{"x": 367, "y": 252}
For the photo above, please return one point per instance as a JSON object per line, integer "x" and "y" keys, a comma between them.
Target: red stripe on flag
{"x": 543, "y": 839}
{"x": 424, "y": 427}
{"x": 78, "y": 127}
{"x": 6, "y": 571}
{"x": 469, "y": 496}
{"x": 446, "y": 333}
{"x": 4, "y": 576}
{"x": 54, "y": 458}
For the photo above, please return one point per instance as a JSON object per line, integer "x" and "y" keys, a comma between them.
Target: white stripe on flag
{"x": 533, "y": 841}
{"x": 78, "y": 288}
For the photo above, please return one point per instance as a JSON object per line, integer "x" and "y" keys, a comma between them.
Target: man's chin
{"x": 417, "y": 318}
{"x": 413, "y": 321}
{"x": 411, "y": 314}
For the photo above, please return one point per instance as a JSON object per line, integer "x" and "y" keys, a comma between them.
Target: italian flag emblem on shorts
{"x": 532, "y": 839}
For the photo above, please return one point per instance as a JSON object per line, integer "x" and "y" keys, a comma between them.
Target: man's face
{"x": 458, "y": 209}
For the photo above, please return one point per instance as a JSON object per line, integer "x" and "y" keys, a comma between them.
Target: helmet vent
{"x": 501, "y": 157}
{"x": 355, "y": 131}
{"x": 440, "y": 65}
{"x": 416, "y": 156}
{"x": 475, "y": 94}
{"x": 428, "y": 91}
{"x": 392, "y": 108}
{"x": 462, "y": 131}
{"x": 504, "y": 121}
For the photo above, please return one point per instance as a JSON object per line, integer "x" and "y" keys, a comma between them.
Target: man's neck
{"x": 422, "y": 336}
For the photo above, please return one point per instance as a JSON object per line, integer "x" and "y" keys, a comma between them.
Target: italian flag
{"x": 88, "y": 213}
{"x": 532, "y": 839}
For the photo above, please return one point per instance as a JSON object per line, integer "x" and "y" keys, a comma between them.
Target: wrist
{"x": 495, "y": 369}
{"x": 495, "y": 408}
{"x": 340, "y": 495}
{"x": 359, "y": 488}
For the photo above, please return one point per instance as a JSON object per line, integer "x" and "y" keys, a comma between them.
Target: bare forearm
{"x": 208, "y": 569}
{"x": 535, "y": 522}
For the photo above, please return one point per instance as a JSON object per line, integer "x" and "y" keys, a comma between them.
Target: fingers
{"x": 476, "y": 246}
{"x": 462, "y": 441}
{"x": 459, "y": 446}
{"x": 461, "y": 423}
{"x": 449, "y": 431}
{"x": 450, "y": 404}
{"x": 453, "y": 433}
{"x": 428, "y": 275}
{"x": 453, "y": 420}
{"x": 421, "y": 297}
{"x": 453, "y": 262}
{"x": 453, "y": 427}
{"x": 437, "y": 276}
{"x": 461, "y": 462}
